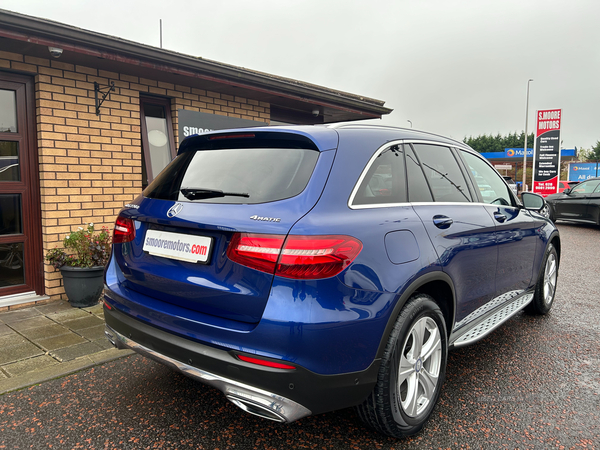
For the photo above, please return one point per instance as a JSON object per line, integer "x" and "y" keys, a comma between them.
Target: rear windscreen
{"x": 247, "y": 175}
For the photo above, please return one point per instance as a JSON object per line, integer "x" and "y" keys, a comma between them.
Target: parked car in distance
{"x": 581, "y": 203}
{"x": 511, "y": 184}
{"x": 305, "y": 269}
{"x": 562, "y": 185}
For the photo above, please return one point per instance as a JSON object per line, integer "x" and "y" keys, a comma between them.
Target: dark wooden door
{"x": 20, "y": 228}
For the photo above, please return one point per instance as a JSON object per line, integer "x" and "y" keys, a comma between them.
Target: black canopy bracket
{"x": 99, "y": 90}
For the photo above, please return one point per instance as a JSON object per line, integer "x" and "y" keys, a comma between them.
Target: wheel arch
{"x": 439, "y": 286}
{"x": 555, "y": 241}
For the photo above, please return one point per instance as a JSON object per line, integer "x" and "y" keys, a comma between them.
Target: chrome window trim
{"x": 378, "y": 152}
{"x": 405, "y": 204}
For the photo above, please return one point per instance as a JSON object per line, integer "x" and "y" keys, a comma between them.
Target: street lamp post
{"x": 525, "y": 143}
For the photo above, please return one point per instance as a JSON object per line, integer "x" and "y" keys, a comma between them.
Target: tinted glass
{"x": 10, "y": 214}
{"x": 385, "y": 181}
{"x": 587, "y": 187}
{"x": 12, "y": 268}
{"x": 491, "y": 185}
{"x": 9, "y": 161}
{"x": 265, "y": 174}
{"x": 8, "y": 111}
{"x": 418, "y": 190}
{"x": 441, "y": 169}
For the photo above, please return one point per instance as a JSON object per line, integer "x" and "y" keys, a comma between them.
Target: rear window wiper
{"x": 199, "y": 193}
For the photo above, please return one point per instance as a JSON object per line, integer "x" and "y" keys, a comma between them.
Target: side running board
{"x": 482, "y": 328}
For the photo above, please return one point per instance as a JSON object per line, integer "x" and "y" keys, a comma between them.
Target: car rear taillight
{"x": 258, "y": 251}
{"x": 298, "y": 257}
{"x": 124, "y": 230}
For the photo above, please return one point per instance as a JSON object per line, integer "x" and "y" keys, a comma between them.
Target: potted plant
{"x": 81, "y": 261}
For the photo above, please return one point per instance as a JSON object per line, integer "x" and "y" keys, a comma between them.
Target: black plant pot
{"x": 83, "y": 285}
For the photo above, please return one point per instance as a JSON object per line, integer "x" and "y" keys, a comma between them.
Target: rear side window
{"x": 418, "y": 190}
{"x": 384, "y": 182}
{"x": 254, "y": 175}
{"x": 443, "y": 173}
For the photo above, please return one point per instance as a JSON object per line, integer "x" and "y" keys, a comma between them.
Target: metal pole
{"x": 525, "y": 143}
{"x": 409, "y": 122}
{"x": 160, "y": 33}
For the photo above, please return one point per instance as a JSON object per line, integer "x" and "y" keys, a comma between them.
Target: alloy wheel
{"x": 419, "y": 367}
{"x": 550, "y": 275}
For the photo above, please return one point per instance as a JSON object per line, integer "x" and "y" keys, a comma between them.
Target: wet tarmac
{"x": 532, "y": 384}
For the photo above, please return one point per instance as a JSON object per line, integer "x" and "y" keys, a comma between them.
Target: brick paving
{"x": 48, "y": 341}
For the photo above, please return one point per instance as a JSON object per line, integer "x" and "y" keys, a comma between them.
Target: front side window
{"x": 384, "y": 181}
{"x": 587, "y": 187}
{"x": 443, "y": 173}
{"x": 491, "y": 186}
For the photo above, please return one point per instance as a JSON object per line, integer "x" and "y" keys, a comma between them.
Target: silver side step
{"x": 489, "y": 324}
{"x": 249, "y": 398}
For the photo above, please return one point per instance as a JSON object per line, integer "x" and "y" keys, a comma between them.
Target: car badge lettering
{"x": 265, "y": 219}
{"x": 174, "y": 210}
{"x": 131, "y": 205}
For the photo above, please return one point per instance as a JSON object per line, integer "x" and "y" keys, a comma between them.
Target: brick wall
{"x": 89, "y": 165}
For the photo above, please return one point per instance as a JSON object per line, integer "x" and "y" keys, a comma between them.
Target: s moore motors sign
{"x": 546, "y": 162}
{"x": 194, "y": 122}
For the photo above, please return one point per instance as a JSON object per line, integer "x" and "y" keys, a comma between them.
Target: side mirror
{"x": 533, "y": 201}
{"x": 567, "y": 191}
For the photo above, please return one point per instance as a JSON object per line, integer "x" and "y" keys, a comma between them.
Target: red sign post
{"x": 546, "y": 160}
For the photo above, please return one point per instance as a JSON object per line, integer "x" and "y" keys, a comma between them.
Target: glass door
{"x": 20, "y": 234}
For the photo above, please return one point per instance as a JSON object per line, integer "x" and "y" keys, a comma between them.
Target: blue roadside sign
{"x": 582, "y": 171}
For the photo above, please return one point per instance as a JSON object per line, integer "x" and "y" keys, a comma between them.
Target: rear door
{"x": 461, "y": 230}
{"x": 189, "y": 214}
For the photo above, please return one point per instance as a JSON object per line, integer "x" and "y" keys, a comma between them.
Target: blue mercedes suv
{"x": 306, "y": 269}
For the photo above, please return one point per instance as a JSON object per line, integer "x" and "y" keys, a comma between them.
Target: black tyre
{"x": 545, "y": 289}
{"x": 412, "y": 371}
{"x": 551, "y": 214}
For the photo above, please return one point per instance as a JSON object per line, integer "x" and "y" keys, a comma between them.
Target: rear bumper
{"x": 255, "y": 401}
{"x": 277, "y": 394}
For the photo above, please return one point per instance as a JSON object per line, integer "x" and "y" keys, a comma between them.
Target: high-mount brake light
{"x": 264, "y": 362}
{"x": 124, "y": 230}
{"x": 298, "y": 257}
{"x": 231, "y": 136}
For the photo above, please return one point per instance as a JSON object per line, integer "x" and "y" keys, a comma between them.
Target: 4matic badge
{"x": 266, "y": 219}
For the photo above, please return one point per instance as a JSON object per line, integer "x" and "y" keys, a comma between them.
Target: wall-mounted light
{"x": 55, "y": 51}
{"x": 315, "y": 112}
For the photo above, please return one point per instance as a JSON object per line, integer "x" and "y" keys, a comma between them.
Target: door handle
{"x": 442, "y": 222}
{"x": 499, "y": 217}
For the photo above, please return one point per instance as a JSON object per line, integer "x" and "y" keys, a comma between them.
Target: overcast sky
{"x": 453, "y": 67}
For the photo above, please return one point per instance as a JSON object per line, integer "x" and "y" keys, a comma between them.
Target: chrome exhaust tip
{"x": 112, "y": 337}
{"x": 256, "y": 409}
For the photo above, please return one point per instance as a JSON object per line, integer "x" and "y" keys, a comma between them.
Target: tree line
{"x": 488, "y": 143}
